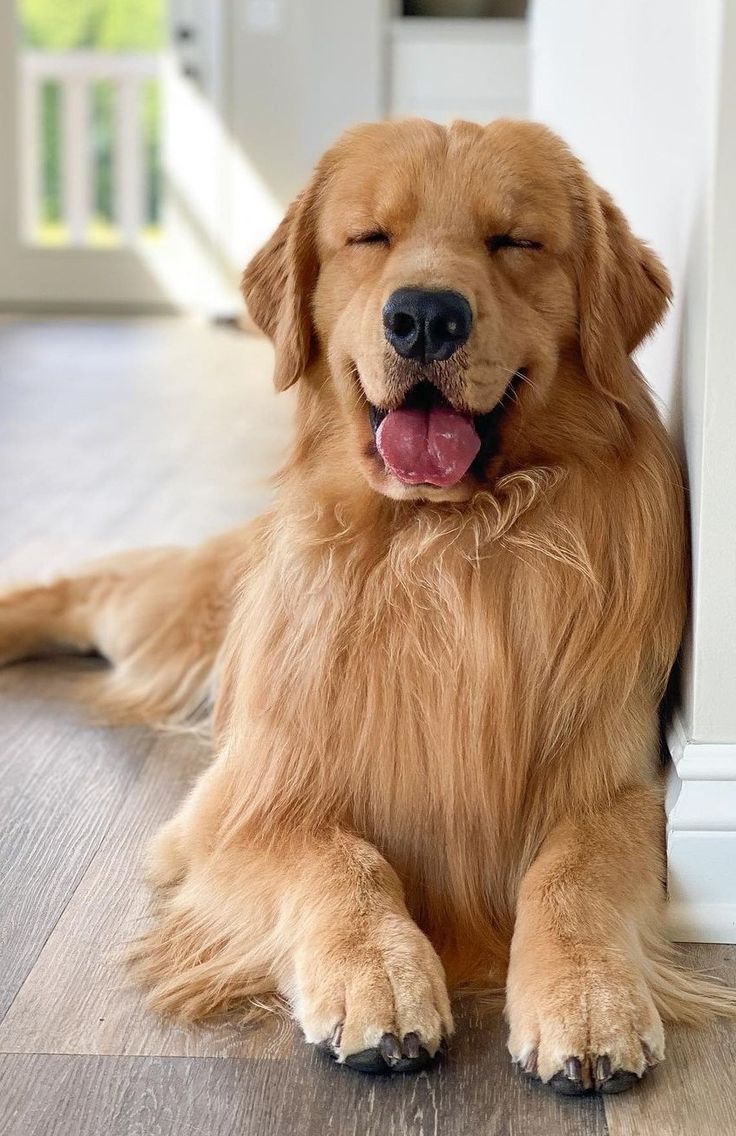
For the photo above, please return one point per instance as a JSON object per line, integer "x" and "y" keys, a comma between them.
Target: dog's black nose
{"x": 423, "y": 324}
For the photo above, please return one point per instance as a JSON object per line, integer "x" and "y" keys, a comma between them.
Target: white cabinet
{"x": 445, "y": 69}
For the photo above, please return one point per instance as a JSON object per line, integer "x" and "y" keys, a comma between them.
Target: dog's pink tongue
{"x": 434, "y": 447}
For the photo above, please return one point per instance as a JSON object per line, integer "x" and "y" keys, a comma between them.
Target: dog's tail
{"x": 680, "y": 993}
{"x": 158, "y": 616}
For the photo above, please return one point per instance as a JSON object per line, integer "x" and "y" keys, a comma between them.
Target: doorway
{"x": 100, "y": 98}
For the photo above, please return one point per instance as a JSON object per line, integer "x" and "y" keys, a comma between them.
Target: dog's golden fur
{"x": 436, "y": 711}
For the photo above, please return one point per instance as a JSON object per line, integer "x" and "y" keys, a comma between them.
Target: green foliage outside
{"x": 104, "y": 25}
{"x": 111, "y": 25}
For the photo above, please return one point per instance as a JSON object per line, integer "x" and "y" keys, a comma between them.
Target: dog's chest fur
{"x": 385, "y": 686}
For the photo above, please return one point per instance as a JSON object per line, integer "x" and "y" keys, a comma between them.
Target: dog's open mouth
{"x": 426, "y": 441}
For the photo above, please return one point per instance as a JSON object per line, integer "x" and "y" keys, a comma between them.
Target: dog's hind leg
{"x": 159, "y": 616}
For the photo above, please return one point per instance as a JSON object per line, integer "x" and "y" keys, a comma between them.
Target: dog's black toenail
{"x": 331, "y": 1044}
{"x": 415, "y": 1064}
{"x": 529, "y": 1064}
{"x": 613, "y": 1081}
{"x": 390, "y": 1049}
{"x": 573, "y": 1069}
{"x": 619, "y": 1081}
{"x": 412, "y": 1046}
{"x": 649, "y": 1057}
{"x": 603, "y": 1068}
{"x": 569, "y": 1081}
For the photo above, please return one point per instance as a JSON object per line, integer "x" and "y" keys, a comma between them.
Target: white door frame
{"x": 65, "y": 277}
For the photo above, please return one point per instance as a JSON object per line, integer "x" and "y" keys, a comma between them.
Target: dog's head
{"x": 428, "y": 282}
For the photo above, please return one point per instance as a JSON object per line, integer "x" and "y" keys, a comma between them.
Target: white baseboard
{"x": 701, "y": 839}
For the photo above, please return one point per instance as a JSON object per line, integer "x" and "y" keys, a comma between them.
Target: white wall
{"x": 631, "y": 85}
{"x": 296, "y": 74}
{"x": 279, "y": 80}
{"x": 636, "y": 90}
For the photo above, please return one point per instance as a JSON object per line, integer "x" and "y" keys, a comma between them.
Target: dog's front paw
{"x": 378, "y": 1001}
{"x": 582, "y": 1027}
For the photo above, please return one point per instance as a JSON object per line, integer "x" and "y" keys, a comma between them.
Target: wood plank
{"x": 694, "y": 1090}
{"x": 78, "y": 998}
{"x": 62, "y": 783}
{"x": 475, "y": 1093}
{"x": 117, "y": 434}
{"x": 57, "y": 1096}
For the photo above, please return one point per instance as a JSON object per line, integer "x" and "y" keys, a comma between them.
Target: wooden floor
{"x": 115, "y": 434}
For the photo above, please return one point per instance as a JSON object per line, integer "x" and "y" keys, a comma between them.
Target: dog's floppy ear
{"x": 624, "y": 291}
{"x": 277, "y": 287}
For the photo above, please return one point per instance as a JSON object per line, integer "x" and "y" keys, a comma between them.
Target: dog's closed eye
{"x": 370, "y": 237}
{"x": 505, "y": 240}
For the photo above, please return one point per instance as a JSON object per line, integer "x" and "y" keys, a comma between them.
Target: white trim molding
{"x": 701, "y": 839}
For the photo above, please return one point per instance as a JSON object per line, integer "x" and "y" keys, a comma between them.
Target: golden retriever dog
{"x": 435, "y": 663}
